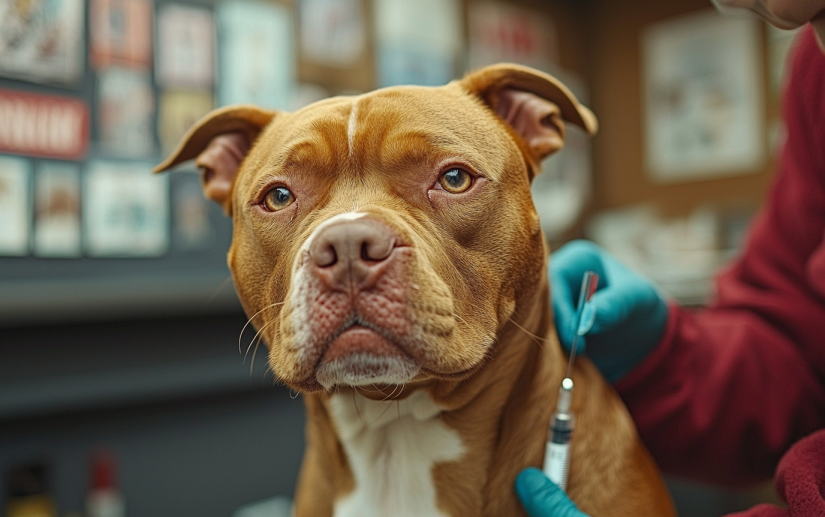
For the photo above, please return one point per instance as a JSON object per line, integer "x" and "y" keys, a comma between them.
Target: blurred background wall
{"x": 119, "y": 326}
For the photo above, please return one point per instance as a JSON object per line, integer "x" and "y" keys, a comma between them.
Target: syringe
{"x": 562, "y": 423}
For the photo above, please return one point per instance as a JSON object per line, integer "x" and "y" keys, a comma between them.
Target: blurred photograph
{"x": 125, "y": 113}
{"x": 121, "y": 33}
{"x": 42, "y": 40}
{"x": 14, "y": 206}
{"x": 125, "y": 210}
{"x": 57, "y": 210}
{"x": 186, "y": 47}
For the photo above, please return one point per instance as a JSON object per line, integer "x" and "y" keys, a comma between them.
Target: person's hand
{"x": 542, "y": 498}
{"x": 631, "y": 314}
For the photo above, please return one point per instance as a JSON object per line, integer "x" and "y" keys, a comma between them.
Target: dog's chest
{"x": 392, "y": 448}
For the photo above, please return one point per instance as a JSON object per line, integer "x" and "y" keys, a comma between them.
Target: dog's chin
{"x": 361, "y": 356}
{"x": 364, "y": 369}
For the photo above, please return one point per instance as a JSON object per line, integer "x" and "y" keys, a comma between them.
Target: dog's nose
{"x": 352, "y": 248}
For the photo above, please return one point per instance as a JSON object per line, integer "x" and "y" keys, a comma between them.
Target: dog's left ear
{"x": 533, "y": 103}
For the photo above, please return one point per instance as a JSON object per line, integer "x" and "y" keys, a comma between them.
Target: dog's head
{"x": 385, "y": 238}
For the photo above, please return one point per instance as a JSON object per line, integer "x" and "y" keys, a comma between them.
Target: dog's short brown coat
{"x": 495, "y": 363}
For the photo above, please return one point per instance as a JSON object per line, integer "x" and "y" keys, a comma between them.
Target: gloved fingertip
{"x": 529, "y": 482}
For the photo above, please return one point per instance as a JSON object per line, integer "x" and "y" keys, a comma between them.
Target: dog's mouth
{"x": 361, "y": 353}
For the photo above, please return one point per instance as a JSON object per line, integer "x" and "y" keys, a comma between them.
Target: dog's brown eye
{"x": 456, "y": 181}
{"x": 278, "y": 199}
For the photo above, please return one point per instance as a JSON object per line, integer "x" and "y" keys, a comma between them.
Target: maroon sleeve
{"x": 731, "y": 387}
{"x": 800, "y": 482}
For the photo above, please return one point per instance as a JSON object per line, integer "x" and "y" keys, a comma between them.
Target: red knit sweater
{"x": 732, "y": 387}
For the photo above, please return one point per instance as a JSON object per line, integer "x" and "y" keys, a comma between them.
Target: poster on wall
{"x": 506, "y": 33}
{"x": 177, "y": 112}
{"x": 703, "y": 100}
{"x": 332, "y": 32}
{"x": 418, "y": 41}
{"x": 57, "y": 210}
{"x": 185, "y": 50}
{"x": 121, "y": 33}
{"x": 191, "y": 229}
{"x": 42, "y": 40}
{"x": 43, "y": 125}
{"x": 14, "y": 206}
{"x": 257, "y": 56}
{"x": 125, "y": 108}
{"x": 125, "y": 210}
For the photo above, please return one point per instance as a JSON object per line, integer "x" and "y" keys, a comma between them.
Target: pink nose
{"x": 351, "y": 250}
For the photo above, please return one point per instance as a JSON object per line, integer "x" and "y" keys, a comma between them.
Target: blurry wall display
{"x": 257, "y": 53}
{"x": 43, "y": 125}
{"x": 418, "y": 41}
{"x": 121, "y": 33}
{"x": 703, "y": 98}
{"x": 185, "y": 47}
{"x": 14, "y": 206}
{"x": 503, "y": 32}
{"x": 177, "y": 112}
{"x": 42, "y": 40}
{"x": 332, "y": 32}
{"x": 126, "y": 106}
{"x": 57, "y": 210}
{"x": 126, "y": 210}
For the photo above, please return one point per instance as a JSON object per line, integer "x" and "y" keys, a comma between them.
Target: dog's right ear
{"x": 220, "y": 141}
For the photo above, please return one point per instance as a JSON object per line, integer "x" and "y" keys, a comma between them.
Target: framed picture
{"x": 42, "y": 40}
{"x": 502, "y": 32}
{"x": 332, "y": 32}
{"x": 257, "y": 54}
{"x": 15, "y": 203}
{"x": 125, "y": 210}
{"x": 185, "y": 50}
{"x": 177, "y": 112}
{"x": 418, "y": 41}
{"x": 703, "y": 97}
{"x": 121, "y": 33}
{"x": 57, "y": 210}
{"x": 126, "y": 104}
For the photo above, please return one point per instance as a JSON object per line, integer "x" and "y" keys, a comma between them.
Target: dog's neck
{"x": 425, "y": 453}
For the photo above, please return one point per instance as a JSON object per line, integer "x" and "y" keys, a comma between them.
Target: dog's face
{"x": 385, "y": 238}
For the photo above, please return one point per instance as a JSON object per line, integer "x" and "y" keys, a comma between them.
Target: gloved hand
{"x": 542, "y": 498}
{"x": 631, "y": 314}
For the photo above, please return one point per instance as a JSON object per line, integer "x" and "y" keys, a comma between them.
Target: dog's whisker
{"x": 256, "y": 337}
{"x": 539, "y": 340}
{"x": 218, "y": 289}
{"x": 240, "y": 336}
{"x": 291, "y": 396}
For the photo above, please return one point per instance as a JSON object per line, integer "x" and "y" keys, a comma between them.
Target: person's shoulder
{"x": 808, "y": 66}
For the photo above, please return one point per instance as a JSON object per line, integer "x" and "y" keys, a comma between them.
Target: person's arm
{"x": 730, "y": 388}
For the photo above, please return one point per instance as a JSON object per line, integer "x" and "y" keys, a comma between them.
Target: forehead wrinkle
{"x": 418, "y": 147}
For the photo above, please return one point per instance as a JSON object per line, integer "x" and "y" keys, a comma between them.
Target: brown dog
{"x": 387, "y": 248}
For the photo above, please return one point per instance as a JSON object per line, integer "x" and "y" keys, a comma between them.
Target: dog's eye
{"x": 278, "y": 199}
{"x": 456, "y": 181}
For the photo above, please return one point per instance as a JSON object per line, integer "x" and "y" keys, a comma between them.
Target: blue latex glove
{"x": 542, "y": 498}
{"x": 631, "y": 314}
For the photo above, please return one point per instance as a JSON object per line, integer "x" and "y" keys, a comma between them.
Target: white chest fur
{"x": 392, "y": 448}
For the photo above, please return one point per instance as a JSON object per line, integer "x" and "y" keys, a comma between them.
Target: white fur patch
{"x": 392, "y": 448}
{"x": 353, "y": 117}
